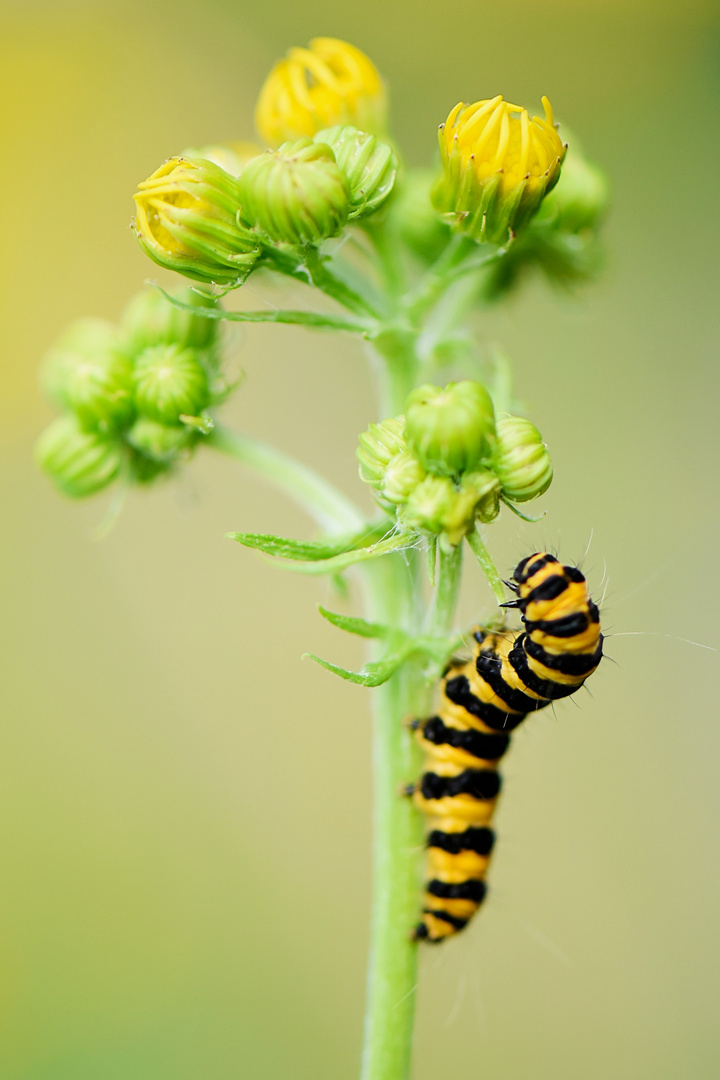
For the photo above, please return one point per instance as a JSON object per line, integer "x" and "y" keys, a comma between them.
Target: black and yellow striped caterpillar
{"x": 481, "y": 701}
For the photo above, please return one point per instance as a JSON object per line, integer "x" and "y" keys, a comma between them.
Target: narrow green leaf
{"x": 353, "y": 625}
{"x": 273, "y": 315}
{"x": 373, "y": 674}
{"x": 351, "y": 558}
{"x": 285, "y": 548}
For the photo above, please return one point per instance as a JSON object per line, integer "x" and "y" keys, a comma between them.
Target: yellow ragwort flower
{"x": 326, "y": 84}
{"x": 498, "y": 165}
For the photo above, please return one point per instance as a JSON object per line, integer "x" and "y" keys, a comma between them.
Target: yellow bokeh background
{"x": 185, "y": 802}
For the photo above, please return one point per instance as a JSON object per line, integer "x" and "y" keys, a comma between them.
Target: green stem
{"x": 393, "y": 585}
{"x": 442, "y": 608}
{"x": 324, "y": 279}
{"x": 317, "y": 496}
{"x": 437, "y": 278}
{"x": 488, "y": 567}
{"x": 398, "y": 372}
{"x": 388, "y": 247}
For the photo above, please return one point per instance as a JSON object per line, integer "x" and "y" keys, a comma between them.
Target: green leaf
{"x": 273, "y": 315}
{"x": 351, "y": 558}
{"x": 354, "y": 625}
{"x": 373, "y": 674}
{"x": 285, "y": 548}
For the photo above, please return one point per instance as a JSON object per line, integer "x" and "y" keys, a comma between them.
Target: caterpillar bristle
{"x": 481, "y": 701}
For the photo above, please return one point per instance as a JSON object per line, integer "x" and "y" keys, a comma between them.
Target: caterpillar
{"x": 481, "y": 702}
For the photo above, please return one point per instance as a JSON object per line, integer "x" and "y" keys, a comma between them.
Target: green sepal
{"x": 354, "y": 625}
{"x": 525, "y": 517}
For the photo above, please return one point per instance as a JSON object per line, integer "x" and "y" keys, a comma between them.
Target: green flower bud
{"x": 450, "y": 430}
{"x": 482, "y": 489}
{"x": 402, "y": 476}
{"x": 368, "y": 164}
{"x": 170, "y": 382}
{"x": 429, "y": 505}
{"x": 87, "y": 371}
{"x": 295, "y": 195}
{"x": 187, "y": 221}
{"x": 79, "y": 462}
{"x": 521, "y": 461}
{"x": 378, "y": 446}
{"x": 580, "y": 197}
{"x": 420, "y": 225}
{"x": 160, "y": 442}
{"x": 150, "y": 319}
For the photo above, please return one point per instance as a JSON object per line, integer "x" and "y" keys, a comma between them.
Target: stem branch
{"x": 488, "y": 567}
{"x": 316, "y": 495}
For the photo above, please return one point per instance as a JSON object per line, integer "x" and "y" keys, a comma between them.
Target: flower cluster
{"x": 217, "y": 213}
{"x": 215, "y": 226}
{"x": 448, "y": 462}
{"x": 133, "y": 396}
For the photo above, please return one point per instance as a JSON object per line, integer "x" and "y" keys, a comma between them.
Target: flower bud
{"x": 230, "y": 156}
{"x": 187, "y": 221}
{"x": 79, "y": 462}
{"x": 295, "y": 195}
{"x": 160, "y": 442}
{"x": 450, "y": 430}
{"x": 482, "y": 489}
{"x": 378, "y": 446}
{"x": 402, "y": 476}
{"x": 170, "y": 382}
{"x": 579, "y": 199}
{"x": 420, "y": 225}
{"x": 497, "y": 167}
{"x": 150, "y": 319}
{"x": 521, "y": 461}
{"x": 429, "y": 505}
{"x": 368, "y": 164}
{"x": 328, "y": 83}
{"x": 87, "y": 371}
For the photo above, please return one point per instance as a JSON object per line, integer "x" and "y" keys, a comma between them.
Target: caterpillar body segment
{"x": 481, "y": 702}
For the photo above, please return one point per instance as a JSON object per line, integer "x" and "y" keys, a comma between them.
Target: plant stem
{"x": 397, "y": 373}
{"x": 488, "y": 567}
{"x": 329, "y": 507}
{"x": 393, "y": 585}
{"x": 392, "y": 977}
{"x": 442, "y": 608}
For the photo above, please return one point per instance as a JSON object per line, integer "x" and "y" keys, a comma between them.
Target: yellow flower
{"x": 326, "y": 84}
{"x": 498, "y": 164}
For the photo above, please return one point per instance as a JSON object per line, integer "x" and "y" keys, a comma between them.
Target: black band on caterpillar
{"x": 482, "y": 746}
{"x": 480, "y": 783}
{"x": 509, "y": 676}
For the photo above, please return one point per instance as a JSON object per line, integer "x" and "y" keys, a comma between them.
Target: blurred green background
{"x": 185, "y": 804}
